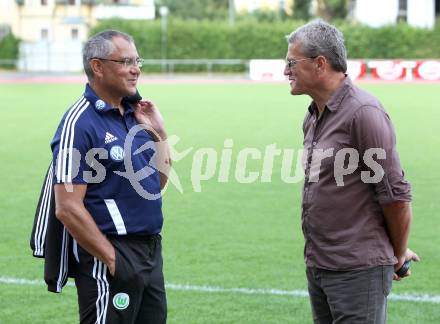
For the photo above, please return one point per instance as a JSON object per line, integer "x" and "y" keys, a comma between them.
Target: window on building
{"x": 71, "y": 2}
{"x": 437, "y": 7}
{"x": 44, "y": 34}
{"x": 74, "y": 33}
{"x": 43, "y": 2}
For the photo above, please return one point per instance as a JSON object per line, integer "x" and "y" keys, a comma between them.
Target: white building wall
{"x": 60, "y": 51}
{"x": 252, "y": 5}
{"x": 421, "y": 13}
{"x": 376, "y": 13}
{"x": 50, "y": 56}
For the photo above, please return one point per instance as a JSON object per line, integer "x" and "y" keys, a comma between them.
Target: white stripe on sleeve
{"x": 68, "y": 172}
{"x": 59, "y": 162}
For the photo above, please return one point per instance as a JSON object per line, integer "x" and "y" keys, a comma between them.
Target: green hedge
{"x": 9, "y": 50}
{"x": 251, "y": 39}
{"x": 206, "y": 39}
{"x": 400, "y": 41}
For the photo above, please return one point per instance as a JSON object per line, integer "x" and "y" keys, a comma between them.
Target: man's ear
{"x": 321, "y": 64}
{"x": 97, "y": 67}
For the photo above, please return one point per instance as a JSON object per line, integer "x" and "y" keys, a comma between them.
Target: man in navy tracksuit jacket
{"x": 106, "y": 176}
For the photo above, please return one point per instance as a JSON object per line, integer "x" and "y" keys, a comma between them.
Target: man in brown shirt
{"x": 356, "y": 211}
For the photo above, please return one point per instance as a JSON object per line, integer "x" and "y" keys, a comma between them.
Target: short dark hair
{"x": 101, "y": 45}
{"x": 320, "y": 38}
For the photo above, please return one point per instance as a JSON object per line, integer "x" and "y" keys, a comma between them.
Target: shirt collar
{"x": 128, "y": 107}
{"x": 335, "y": 100}
{"x": 100, "y": 105}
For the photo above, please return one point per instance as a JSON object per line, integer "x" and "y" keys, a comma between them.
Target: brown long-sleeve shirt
{"x": 351, "y": 169}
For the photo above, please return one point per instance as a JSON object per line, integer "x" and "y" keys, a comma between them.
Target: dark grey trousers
{"x": 358, "y": 296}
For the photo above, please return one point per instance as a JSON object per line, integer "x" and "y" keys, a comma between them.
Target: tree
{"x": 196, "y": 9}
{"x": 9, "y": 49}
{"x": 301, "y": 9}
{"x": 332, "y": 9}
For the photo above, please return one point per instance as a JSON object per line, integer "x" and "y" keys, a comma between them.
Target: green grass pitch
{"x": 229, "y": 235}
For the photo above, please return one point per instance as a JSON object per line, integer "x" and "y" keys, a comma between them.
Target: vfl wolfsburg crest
{"x": 99, "y": 104}
{"x": 121, "y": 301}
{"x": 117, "y": 153}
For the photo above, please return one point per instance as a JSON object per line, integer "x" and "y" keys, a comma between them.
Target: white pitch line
{"x": 247, "y": 291}
{"x": 422, "y": 298}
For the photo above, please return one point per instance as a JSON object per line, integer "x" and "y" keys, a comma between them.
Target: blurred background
{"x": 213, "y": 35}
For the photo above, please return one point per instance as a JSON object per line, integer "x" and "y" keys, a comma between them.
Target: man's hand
{"x": 111, "y": 265}
{"x": 409, "y": 255}
{"x": 398, "y": 216}
{"x": 146, "y": 113}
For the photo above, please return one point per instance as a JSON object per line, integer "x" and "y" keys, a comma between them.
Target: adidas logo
{"x": 109, "y": 138}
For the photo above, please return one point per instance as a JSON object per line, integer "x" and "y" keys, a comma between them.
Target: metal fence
{"x": 40, "y": 61}
{"x": 169, "y": 65}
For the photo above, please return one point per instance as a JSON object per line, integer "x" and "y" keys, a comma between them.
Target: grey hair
{"x": 320, "y": 38}
{"x": 101, "y": 45}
